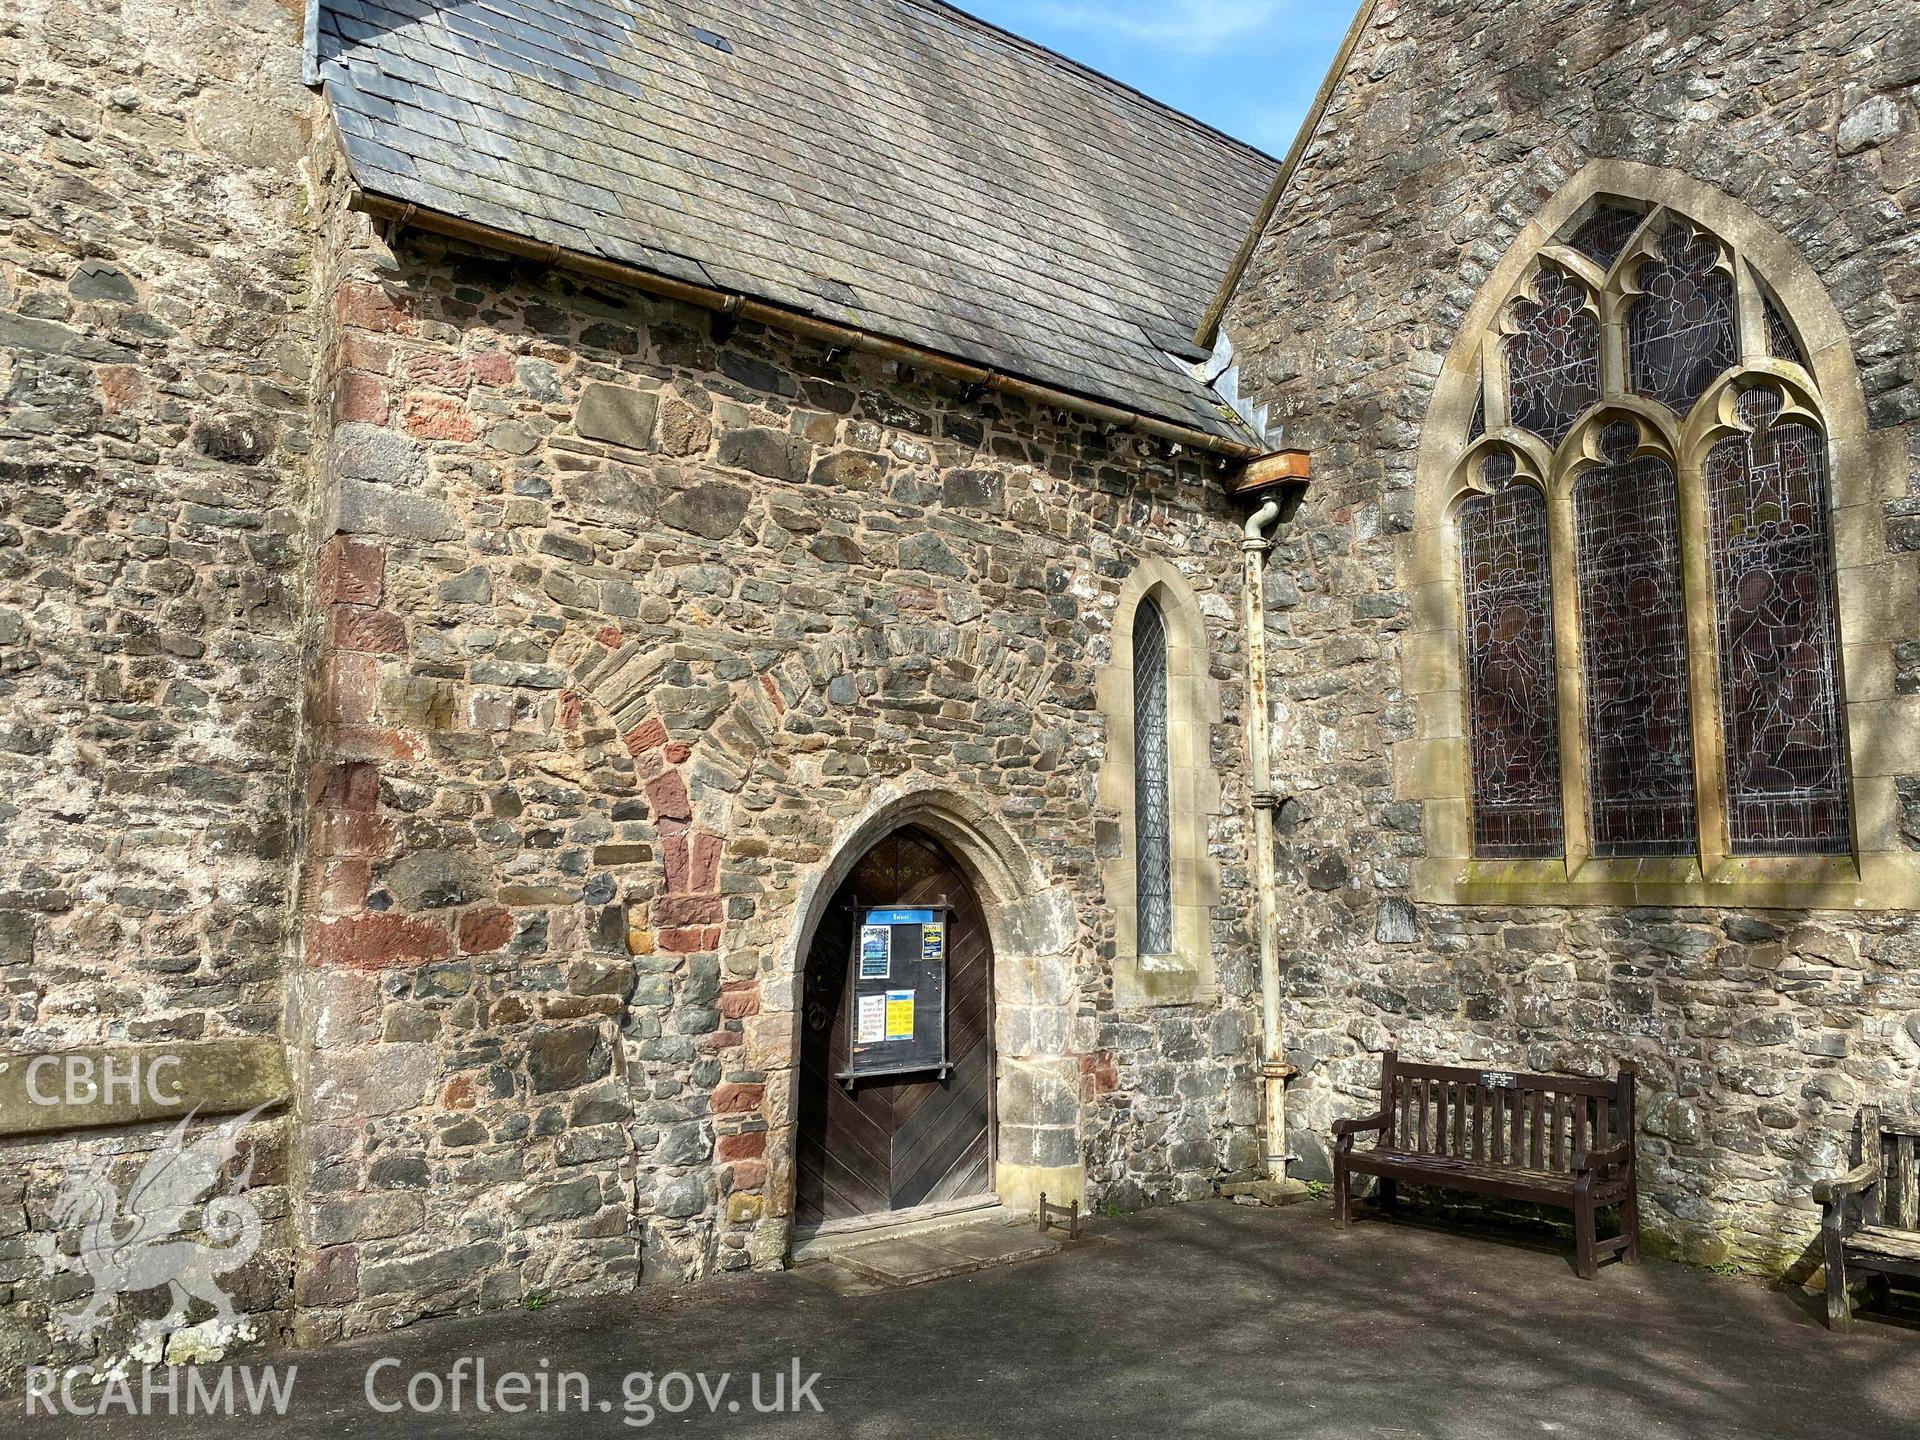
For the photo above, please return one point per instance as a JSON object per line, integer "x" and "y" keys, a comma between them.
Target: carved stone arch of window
{"x": 1184, "y": 972}
{"x": 1769, "y": 382}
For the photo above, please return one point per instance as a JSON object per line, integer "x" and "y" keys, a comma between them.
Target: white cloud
{"x": 1194, "y": 27}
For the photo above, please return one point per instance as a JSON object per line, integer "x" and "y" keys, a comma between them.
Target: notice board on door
{"x": 897, "y": 992}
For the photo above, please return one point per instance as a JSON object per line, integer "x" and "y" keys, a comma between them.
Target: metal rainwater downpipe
{"x": 1277, "y": 483}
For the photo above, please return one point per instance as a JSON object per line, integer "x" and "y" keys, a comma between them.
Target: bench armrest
{"x": 1359, "y": 1124}
{"x": 1595, "y": 1159}
{"x": 1826, "y": 1192}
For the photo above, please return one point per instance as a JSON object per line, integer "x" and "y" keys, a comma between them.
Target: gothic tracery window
{"x": 1646, "y": 400}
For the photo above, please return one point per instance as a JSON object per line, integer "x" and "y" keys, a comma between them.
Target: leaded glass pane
{"x": 1512, "y": 722}
{"x": 1553, "y": 362}
{"x": 1680, "y": 334}
{"x": 1773, "y": 584}
{"x": 1604, "y": 234}
{"x": 1477, "y": 425}
{"x": 1780, "y": 340}
{"x": 1153, "y": 850}
{"x": 1633, "y": 636}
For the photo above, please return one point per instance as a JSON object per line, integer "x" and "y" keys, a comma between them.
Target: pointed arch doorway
{"x": 889, "y": 1145}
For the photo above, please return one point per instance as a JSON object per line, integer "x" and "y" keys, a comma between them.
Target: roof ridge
{"x": 1021, "y": 42}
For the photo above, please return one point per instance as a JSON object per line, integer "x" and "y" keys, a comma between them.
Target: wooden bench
{"x": 1871, "y": 1221}
{"x": 1552, "y": 1139}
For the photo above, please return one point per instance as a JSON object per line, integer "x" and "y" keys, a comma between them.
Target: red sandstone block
{"x": 121, "y": 387}
{"x": 347, "y": 832}
{"x": 719, "y": 1040}
{"x": 368, "y": 307}
{"x": 703, "y": 872}
{"x": 745, "y": 1146}
{"x": 748, "y": 1175}
{"x": 351, "y": 572}
{"x": 570, "y": 710}
{"x": 434, "y": 417}
{"x": 485, "y": 928}
{"x": 1099, "y": 1074}
{"x": 376, "y": 942}
{"x": 673, "y": 854}
{"x": 493, "y": 369}
{"x": 342, "y": 885}
{"x": 360, "y": 398}
{"x": 730, "y": 1098}
{"x": 690, "y": 940}
{"x": 668, "y": 795}
{"x": 739, "y": 998}
{"x": 329, "y": 1277}
{"x": 373, "y": 632}
{"x": 677, "y": 752}
{"x": 363, "y": 352}
{"x": 608, "y": 635}
{"x": 352, "y": 683}
{"x": 345, "y": 787}
{"x": 374, "y": 743}
{"x": 671, "y": 910}
{"x": 437, "y": 370}
{"x": 646, "y": 735}
{"x": 458, "y": 1093}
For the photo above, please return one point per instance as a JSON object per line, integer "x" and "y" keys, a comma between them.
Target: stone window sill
{"x": 1867, "y": 882}
{"x": 1140, "y": 981}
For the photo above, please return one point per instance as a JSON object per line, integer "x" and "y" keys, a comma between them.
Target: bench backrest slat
{"x": 1505, "y": 1118}
{"x": 1899, "y": 1192}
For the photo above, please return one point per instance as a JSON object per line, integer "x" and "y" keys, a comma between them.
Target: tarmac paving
{"x": 1210, "y": 1319}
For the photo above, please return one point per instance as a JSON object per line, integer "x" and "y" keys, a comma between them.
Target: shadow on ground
{"x": 1202, "y": 1320}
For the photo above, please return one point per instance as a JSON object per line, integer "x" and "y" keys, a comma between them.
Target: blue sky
{"x": 1248, "y": 67}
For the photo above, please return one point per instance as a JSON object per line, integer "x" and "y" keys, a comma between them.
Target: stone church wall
{"x": 154, "y": 383}
{"x": 1757, "y": 1032}
{"x": 626, "y": 619}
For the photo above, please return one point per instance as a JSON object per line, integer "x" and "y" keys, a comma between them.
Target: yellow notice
{"x": 899, "y": 1014}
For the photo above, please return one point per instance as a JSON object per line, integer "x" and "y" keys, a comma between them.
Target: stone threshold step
{"x": 936, "y": 1255}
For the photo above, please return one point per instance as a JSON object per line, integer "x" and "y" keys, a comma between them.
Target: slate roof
{"x": 893, "y": 165}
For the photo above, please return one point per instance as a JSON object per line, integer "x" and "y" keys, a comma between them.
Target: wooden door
{"x": 896, "y": 1142}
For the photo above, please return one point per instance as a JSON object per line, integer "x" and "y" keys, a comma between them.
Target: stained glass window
{"x": 1633, "y": 636}
{"x": 1604, "y": 234}
{"x": 1768, "y": 557}
{"x": 1553, "y": 361}
{"x": 1680, "y": 332}
{"x": 1772, "y": 576}
{"x": 1153, "y": 847}
{"x": 1512, "y": 723}
{"x": 1781, "y": 343}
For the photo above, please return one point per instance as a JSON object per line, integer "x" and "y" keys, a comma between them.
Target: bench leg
{"x": 1584, "y": 1262}
{"x": 1630, "y": 1223}
{"x": 1342, "y": 1200}
{"x": 1389, "y": 1195}
{"x": 1839, "y": 1302}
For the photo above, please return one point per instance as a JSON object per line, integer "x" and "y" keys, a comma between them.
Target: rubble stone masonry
{"x": 1757, "y": 1032}
{"x": 625, "y": 621}
{"x": 154, "y": 443}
